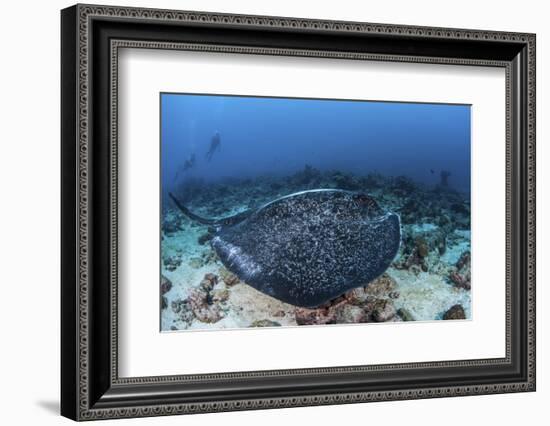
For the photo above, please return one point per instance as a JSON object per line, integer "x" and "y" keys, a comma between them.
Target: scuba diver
{"x": 214, "y": 145}
{"x": 189, "y": 163}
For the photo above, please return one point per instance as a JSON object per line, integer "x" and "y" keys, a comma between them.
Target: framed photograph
{"x": 263, "y": 212}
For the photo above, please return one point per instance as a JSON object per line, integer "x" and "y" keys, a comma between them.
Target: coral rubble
{"x": 455, "y": 312}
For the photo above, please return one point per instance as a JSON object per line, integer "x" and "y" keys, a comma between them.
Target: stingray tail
{"x": 190, "y": 214}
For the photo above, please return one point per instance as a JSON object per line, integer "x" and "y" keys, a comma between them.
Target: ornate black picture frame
{"x": 90, "y": 38}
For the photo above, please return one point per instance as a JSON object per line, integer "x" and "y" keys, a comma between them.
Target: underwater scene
{"x": 294, "y": 212}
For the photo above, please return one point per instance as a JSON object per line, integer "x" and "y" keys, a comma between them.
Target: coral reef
{"x": 229, "y": 278}
{"x": 430, "y": 279}
{"x": 381, "y": 286}
{"x": 202, "y": 306}
{"x": 372, "y": 303}
{"x": 165, "y": 285}
{"x": 305, "y": 316}
{"x": 219, "y": 295}
{"x": 461, "y": 276}
{"x": 183, "y": 312}
{"x": 203, "y": 303}
{"x": 455, "y": 312}
{"x": 383, "y": 310}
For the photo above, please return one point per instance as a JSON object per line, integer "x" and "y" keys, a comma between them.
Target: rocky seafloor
{"x": 428, "y": 280}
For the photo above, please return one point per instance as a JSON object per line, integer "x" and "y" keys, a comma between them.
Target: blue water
{"x": 279, "y": 136}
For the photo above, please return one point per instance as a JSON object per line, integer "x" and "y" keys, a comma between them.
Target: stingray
{"x": 309, "y": 247}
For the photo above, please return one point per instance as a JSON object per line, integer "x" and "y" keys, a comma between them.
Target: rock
{"x": 165, "y": 285}
{"x": 202, "y": 310}
{"x": 414, "y": 262}
{"x": 170, "y": 228}
{"x": 381, "y": 286}
{"x": 171, "y": 223}
{"x": 463, "y": 260}
{"x": 229, "y": 278}
{"x": 176, "y": 306}
{"x": 461, "y": 277}
{"x": 423, "y": 245}
{"x": 443, "y": 220}
{"x": 305, "y": 316}
{"x": 206, "y": 285}
{"x": 186, "y": 314}
{"x": 383, "y": 310}
{"x": 455, "y": 312}
{"x": 422, "y": 248}
{"x": 209, "y": 281}
{"x": 460, "y": 281}
{"x": 204, "y": 301}
{"x": 409, "y": 211}
{"x": 405, "y": 314}
{"x": 183, "y": 310}
{"x": 219, "y": 295}
{"x": 172, "y": 262}
{"x": 213, "y": 278}
{"x": 350, "y": 314}
{"x": 279, "y": 313}
{"x": 359, "y": 305}
{"x": 204, "y": 238}
{"x": 358, "y": 296}
{"x": 265, "y": 323}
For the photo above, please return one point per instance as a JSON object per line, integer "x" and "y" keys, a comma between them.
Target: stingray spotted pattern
{"x": 309, "y": 247}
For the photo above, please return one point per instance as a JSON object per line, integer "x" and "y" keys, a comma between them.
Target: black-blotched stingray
{"x": 308, "y": 247}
